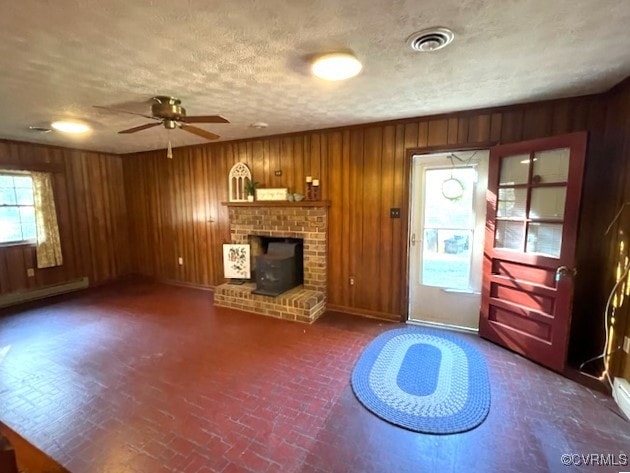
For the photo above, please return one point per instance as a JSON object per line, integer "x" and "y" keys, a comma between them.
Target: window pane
{"x": 27, "y": 215}
{"x": 7, "y": 196}
{"x": 512, "y": 202}
{"x": 544, "y": 238}
{"x": 17, "y": 219}
{"x": 514, "y": 170}
{"x": 551, "y": 166}
{"x": 29, "y": 232}
{"x": 548, "y": 202}
{"x": 23, "y": 182}
{"x": 509, "y": 235}
{"x": 9, "y": 215}
{"x": 446, "y": 258}
{"x": 10, "y": 233}
{"x": 10, "y": 229}
{"x": 24, "y": 196}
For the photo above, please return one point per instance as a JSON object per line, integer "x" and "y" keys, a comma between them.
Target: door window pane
{"x": 514, "y": 170}
{"x": 512, "y": 202}
{"x": 544, "y": 238}
{"x": 448, "y": 224}
{"x": 446, "y": 258}
{"x": 509, "y": 235}
{"x": 548, "y": 202}
{"x": 440, "y": 212}
{"x": 551, "y": 166}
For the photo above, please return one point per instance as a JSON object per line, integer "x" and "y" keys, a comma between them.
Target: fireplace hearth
{"x": 262, "y": 223}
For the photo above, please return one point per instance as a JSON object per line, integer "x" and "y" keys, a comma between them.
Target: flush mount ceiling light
{"x": 431, "y": 39}
{"x": 336, "y": 66}
{"x": 66, "y": 126}
{"x": 259, "y": 125}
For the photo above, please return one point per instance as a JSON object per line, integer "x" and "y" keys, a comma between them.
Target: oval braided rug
{"x": 423, "y": 380}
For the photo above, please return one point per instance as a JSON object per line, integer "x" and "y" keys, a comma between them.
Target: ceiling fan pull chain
{"x": 169, "y": 152}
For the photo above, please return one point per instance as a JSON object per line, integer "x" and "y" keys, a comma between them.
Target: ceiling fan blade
{"x": 204, "y": 119}
{"x": 125, "y": 111}
{"x": 139, "y": 128}
{"x": 199, "y": 132}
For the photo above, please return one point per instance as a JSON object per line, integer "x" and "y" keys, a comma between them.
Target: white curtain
{"x": 48, "y": 243}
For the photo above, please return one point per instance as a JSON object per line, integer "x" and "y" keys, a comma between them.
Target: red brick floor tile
{"x": 143, "y": 377}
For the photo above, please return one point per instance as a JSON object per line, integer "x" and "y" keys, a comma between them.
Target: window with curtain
{"x": 17, "y": 209}
{"x": 28, "y": 214}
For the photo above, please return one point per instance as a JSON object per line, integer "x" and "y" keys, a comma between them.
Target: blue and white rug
{"x": 423, "y": 380}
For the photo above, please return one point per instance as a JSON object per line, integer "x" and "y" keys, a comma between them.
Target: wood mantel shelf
{"x": 279, "y": 203}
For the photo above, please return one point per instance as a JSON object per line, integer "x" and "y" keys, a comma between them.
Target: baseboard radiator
{"x": 40, "y": 293}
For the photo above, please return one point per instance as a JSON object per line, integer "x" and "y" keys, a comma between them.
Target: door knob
{"x": 564, "y": 271}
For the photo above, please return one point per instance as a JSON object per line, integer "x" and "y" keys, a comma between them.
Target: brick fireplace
{"x": 305, "y": 220}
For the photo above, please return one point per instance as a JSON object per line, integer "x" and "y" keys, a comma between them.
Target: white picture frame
{"x": 236, "y": 261}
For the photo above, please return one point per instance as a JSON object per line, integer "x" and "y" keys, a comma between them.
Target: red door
{"x": 533, "y": 205}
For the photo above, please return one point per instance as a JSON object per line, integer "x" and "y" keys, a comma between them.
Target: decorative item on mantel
{"x": 250, "y": 188}
{"x": 238, "y": 179}
{"x": 236, "y": 263}
{"x": 312, "y": 188}
{"x": 316, "y": 189}
{"x": 272, "y": 194}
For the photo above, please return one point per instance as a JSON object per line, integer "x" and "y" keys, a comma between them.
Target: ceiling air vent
{"x": 430, "y": 40}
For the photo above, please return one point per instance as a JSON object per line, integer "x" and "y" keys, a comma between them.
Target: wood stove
{"x": 280, "y": 269}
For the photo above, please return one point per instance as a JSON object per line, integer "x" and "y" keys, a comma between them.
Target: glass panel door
{"x": 446, "y": 246}
{"x": 531, "y": 202}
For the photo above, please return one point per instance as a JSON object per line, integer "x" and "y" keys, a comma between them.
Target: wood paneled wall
{"x": 175, "y": 208}
{"x": 617, "y": 142}
{"x": 91, "y": 213}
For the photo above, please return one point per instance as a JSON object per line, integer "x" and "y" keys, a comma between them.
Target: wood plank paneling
{"x": 616, "y": 143}
{"x": 91, "y": 213}
{"x": 363, "y": 173}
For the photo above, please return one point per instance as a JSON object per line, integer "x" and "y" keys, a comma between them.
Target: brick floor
{"x": 143, "y": 377}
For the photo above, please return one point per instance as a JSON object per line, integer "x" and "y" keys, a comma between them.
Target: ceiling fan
{"x": 168, "y": 111}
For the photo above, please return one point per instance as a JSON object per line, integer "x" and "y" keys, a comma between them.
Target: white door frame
{"x": 446, "y": 307}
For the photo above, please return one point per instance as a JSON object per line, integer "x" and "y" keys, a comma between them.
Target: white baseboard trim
{"x": 621, "y": 394}
{"x": 40, "y": 293}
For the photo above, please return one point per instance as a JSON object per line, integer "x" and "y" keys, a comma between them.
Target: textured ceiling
{"x": 248, "y": 61}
